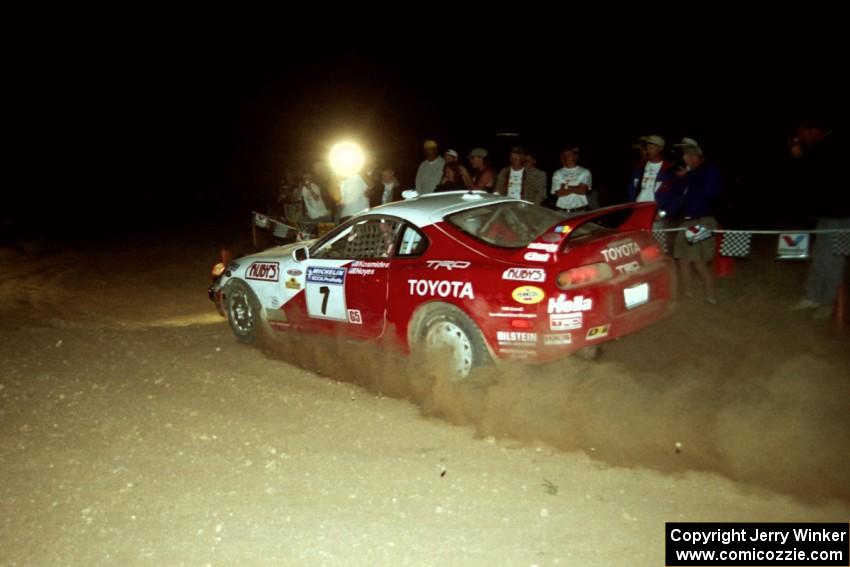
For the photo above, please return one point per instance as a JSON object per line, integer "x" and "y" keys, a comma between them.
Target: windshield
{"x": 506, "y": 225}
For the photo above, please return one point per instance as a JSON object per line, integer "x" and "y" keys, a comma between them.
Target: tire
{"x": 243, "y": 311}
{"x": 438, "y": 327}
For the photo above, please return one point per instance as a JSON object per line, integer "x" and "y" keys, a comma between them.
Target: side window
{"x": 412, "y": 242}
{"x": 371, "y": 238}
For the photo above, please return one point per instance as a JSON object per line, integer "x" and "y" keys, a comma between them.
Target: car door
{"x": 346, "y": 279}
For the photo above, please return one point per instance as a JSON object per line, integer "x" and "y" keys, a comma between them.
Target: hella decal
{"x": 265, "y": 271}
{"x": 525, "y": 274}
{"x": 543, "y": 246}
{"x": 536, "y": 257}
{"x": 561, "y": 304}
{"x": 615, "y": 252}
{"x": 597, "y": 332}
{"x": 560, "y": 339}
{"x": 565, "y": 322}
{"x": 528, "y": 295}
{"x": 294, "y": 272}
{"x": 461, "y": 290}
{"x": 448, "y": 264}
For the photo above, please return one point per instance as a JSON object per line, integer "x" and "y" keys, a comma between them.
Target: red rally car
{"x": 486, "y": 277}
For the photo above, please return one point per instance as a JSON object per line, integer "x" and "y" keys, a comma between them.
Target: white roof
{"x": 430, "y": 208}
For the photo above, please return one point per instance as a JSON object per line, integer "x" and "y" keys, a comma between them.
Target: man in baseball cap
{"x": 652, "y": 177}
{"x": 689, "y": 146}
{"x": 483, "y": 176}
{"x": 451, "y": 156}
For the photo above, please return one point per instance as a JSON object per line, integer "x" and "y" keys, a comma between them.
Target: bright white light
{"x": 346, "y": 158}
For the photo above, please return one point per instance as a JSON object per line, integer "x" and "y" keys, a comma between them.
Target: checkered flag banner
{"x": 736, "y": 243}
{"x": 661, "y": 238}
{"x": 841, "y": 243}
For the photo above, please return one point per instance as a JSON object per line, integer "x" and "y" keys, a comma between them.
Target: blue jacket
{"x": 695, "y": 193}
{"x": 664, "y": 193}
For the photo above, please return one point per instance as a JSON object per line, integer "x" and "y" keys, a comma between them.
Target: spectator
{"x": 694, "y": 195}
{"x": 572, "y": 183}
{"x": 537, "y": 181}
{"x": 314, "y": 205}
{"x": 353, "y": 198}
{"x": 815, "y": 152}
{"x": 452, "y": 178}
{"x": 484, "y": 177}
{"x": 289, "y": 204}
{"x": 652, "y": 177}
{"x": 430, "y": 170}
{"x": 451, "y": 156}
{"x": 515, "y": 181}
{"x": 390, "y": 187}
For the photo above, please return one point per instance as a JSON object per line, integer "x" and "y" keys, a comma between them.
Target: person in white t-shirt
{"x": 572, "y": 183}
{"x": 430, "y": 171}
{"x": 353, "y": 196}
{"x": 314, "y": 204}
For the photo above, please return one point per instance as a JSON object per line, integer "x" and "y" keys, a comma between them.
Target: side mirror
{"x": 301, "y": 253}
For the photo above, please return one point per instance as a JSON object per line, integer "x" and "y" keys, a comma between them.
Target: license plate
{"x": 637, "y": 295}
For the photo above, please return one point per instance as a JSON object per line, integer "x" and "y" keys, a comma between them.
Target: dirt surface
{"x": 134, "y": 430}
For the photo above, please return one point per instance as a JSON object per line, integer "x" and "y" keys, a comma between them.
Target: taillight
{"x": 583, "y": 275}
{"x": 650, "y": 254}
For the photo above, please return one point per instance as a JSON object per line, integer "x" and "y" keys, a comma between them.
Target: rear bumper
{"x": 612, "y": 319}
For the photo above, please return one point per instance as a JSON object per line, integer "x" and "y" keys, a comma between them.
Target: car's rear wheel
{"x": 445, "y": 335}
{"x": 243, "y": 311}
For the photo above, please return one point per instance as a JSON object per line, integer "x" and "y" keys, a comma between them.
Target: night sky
{"x": 151, "y": 130}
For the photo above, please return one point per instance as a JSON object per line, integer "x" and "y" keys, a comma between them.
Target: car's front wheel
{"x": 445, "y": 335}
{"x": 243, "y": 311}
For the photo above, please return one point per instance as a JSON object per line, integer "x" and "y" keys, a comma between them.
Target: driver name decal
{"x": 263, "y": 271}
{"x": 431, "y": 288}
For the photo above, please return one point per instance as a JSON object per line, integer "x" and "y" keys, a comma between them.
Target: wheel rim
{"x": 446, "y": 336}
{"x": 241, "y": 314}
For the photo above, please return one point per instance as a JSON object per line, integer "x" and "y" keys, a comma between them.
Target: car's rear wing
{"x": 618, "y": 218}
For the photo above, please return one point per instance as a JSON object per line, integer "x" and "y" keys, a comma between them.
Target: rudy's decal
{"x": 514, "y": 337}
{"x": 628, "y": 267}
{"x": 448, "y": 264}
{"x": 264, "y": 271}
{"x": 543, "y": 246}
{"x": 561, "y": 304}
{"x": 559, "y": 339}
{"x": 617, "y": 251}
{"x": 536, "y": 257}
{"x": 528, "y": 295}
{"x": 333, "y": 276}
{"x": 525, "y": 274}
{"x": 597, "y": 332}
{"x": 431, "y": 288}
{"x": 566, "y": 322}
{"x": 354, "y": 317}
{"x": 292, "y": 283}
